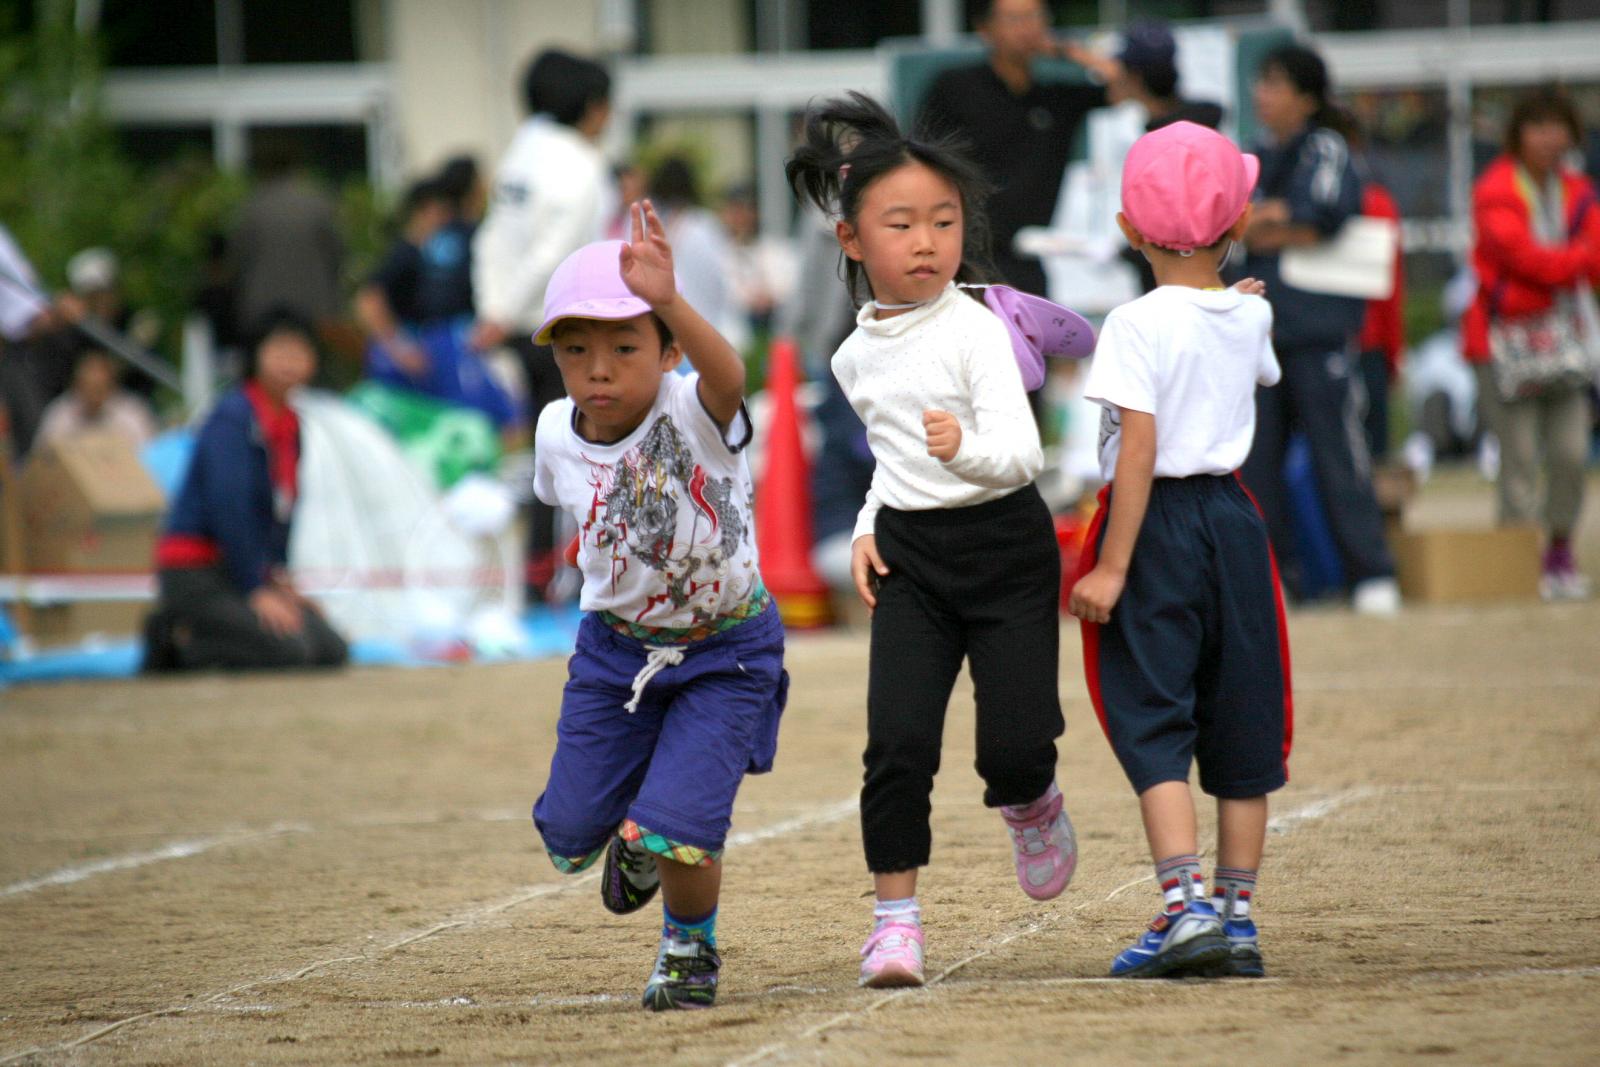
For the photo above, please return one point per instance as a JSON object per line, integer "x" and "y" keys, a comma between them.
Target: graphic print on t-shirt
{"x": 634, "y": 517}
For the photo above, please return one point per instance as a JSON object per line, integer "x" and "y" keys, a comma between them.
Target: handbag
{"x": 1545, "y": 351}
{"x": 1358, "y": 261}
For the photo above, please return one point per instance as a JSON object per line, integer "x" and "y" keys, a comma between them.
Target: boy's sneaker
{"x": 630, "y": 878}
{"x": 892, "y": 956}
{"x": 685, "y": 976}
{"x": 1177, "y": 944}
{"x": 1043, "y": 844}
{"x": 1244, "y": 952}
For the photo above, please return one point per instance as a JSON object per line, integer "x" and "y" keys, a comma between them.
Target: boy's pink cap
{"x": 588, "y": 285}
{"x": 1183, "y": 185}
{"x": 1039, "y": 328}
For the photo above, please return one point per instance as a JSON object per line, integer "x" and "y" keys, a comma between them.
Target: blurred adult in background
{"x": 1020, "y": 131}
{"x": 1382, "y": 340}
{"x": 1537, "y": 258}
{"x": 225, "y": 600}
{"x": 631, "y": 186}
{"x": 1149, "y": 75}
{"x": 285, "y": 250}
{"x": 463, "y": 183}
{"x": 819, "y": 316}
{"x": 95, "y": 402}
{"x": 95, "y": 277}
{"x": 406, "y": 291}
{"x": 761, "y": 269}
{"x": 417, "y": 307}
{"x": 1307, "y": 190}
{"x": 701, "y": 251}
{"x": 551, "y": 196}
{"x": 32, "y": 369}
{"x": 448, "y": 254}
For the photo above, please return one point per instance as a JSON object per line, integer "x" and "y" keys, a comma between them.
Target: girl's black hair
{"x": 280, "y": 318}
{"x": 850, "y": 142}
{"x": 1306, "y": 71}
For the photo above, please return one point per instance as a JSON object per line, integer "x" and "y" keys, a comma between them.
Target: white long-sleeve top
{"x": 951, "y": 355}
{"x": 551, "y": 192}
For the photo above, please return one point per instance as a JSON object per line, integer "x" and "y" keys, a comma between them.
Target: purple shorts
{"x": 673, "y": 765}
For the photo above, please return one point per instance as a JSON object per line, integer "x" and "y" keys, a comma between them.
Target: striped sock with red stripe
{"x": 1181, "y": 881}
{"x": 1233, "y": 891}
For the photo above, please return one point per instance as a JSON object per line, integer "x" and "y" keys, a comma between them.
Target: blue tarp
{"x": 549, "y": 632}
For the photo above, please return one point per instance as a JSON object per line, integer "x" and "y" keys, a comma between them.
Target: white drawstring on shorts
{"x": 660, "y": 658}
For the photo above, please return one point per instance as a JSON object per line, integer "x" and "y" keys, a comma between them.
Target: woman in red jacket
{"x": 1537, "y": 248}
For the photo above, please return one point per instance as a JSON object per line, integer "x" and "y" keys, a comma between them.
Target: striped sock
{"x": 907, "y": 912}
{"x": 1181, "y": 881}
{"x": 701, "y": 929}
{"x": 1233, "y": 891}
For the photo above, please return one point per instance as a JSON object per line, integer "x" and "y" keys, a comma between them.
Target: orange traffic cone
{"x": 783, "y": 502}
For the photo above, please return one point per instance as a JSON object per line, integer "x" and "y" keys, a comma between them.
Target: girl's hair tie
{"x": 844, "y": 172}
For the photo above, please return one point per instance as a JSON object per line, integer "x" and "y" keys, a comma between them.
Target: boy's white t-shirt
{"x": 666, "y": 532}
{"x": 1192, "y": 358}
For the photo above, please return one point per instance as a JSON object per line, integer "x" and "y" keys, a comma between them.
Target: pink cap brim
{"x": 613, "y": 309}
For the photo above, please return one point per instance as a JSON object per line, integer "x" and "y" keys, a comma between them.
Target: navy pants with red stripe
{"x": 1194, "y": 664}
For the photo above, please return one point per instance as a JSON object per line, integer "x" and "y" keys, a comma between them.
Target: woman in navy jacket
{"x": 226, "y": 601}
{"x": 1307, "y": 190}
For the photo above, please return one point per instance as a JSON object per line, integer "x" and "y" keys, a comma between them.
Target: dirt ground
{"x": 340, "y": 869}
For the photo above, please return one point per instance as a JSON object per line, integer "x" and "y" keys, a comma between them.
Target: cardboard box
{"x": 88, "y": 504}
{"x": 1451, "y": 566}
{"x": 88, "y": 507}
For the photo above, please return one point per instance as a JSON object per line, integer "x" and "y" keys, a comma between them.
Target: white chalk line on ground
{"x": 176, "y": 850}
{"x": 184, "y": 849}
{"x": 818, "y": 817}
{"x": 1285, "y": 823}
{"x": 956, "y": 985}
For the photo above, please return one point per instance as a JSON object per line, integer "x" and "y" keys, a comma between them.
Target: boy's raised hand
{"x": 1251, "y": 287}
{"x": 647, "y": 259}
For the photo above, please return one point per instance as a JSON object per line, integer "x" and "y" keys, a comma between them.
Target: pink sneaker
{"x": 1045, "y": 848}
{"x": 892, "y": 956}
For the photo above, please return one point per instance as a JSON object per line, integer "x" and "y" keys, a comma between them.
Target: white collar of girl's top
{"x": 868, "y": 319}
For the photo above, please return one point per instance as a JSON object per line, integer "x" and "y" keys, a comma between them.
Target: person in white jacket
{"x": 550, "y": 197}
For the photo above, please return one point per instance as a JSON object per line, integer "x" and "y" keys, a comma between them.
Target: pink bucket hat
{"x": 1183, "y": 185}
{"x": 588, "y": 285}
{"x": 1038, "y": 328}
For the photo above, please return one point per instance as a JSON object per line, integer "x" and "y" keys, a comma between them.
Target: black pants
{"x": 544, "y": 386}
{"x": 1318, "y": 397}
{"x": 202, "y": 622}
{"x": 982, "y": 583}
{"x": 1375, "y": 417}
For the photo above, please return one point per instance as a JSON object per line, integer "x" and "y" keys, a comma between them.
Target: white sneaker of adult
{"x": 1376, "y": 596}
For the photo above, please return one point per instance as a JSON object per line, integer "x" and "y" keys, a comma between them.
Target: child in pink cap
{"x": 1185, "y": 650}
{"x": 677, "y": 682}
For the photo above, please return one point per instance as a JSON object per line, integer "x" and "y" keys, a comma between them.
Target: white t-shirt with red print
{"x": 666, "y": 516}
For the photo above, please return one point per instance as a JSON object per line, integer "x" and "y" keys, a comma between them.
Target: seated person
{"x": 94, "y": 402}
{"x": 225, "y": 598}
{"x": 417, "y": 309}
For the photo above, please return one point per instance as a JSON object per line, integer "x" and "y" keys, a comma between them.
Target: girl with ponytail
{"x": 954, "y": 550}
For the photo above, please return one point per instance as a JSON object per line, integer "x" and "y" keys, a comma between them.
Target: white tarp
{"x": 373, "y": 543}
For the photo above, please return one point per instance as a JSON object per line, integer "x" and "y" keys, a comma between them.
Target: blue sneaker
{"x": 685, "y": 976}
{"x": 1177, "y": 945}
{"x": 1244, "y": 952}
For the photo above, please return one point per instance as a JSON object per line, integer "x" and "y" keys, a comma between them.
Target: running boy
{"x": 677, "y": 683}
{"x": 1184, "y": 647}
